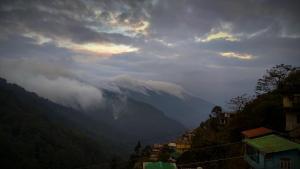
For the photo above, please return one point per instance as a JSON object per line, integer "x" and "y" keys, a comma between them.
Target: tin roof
{"x": 158, "y": 165}
{"x": 261, "y": 131}
{"x": 272, "y": 143}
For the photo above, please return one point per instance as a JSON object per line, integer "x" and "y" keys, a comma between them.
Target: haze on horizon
{"x": 213, "y": 49}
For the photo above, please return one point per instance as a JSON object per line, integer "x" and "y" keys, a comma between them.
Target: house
{"x": 182, "y": 146}
{"x": 224, "y": 117}
{"x": 272, "y": 152}
{"x": 184, "y": 143}
{"x": 257, "y": 132}
{"x": 172, "y": 145}
{"x": 159, "y": 165}
{"x": 155, "y": 151}
{"x": 291, "y": 106}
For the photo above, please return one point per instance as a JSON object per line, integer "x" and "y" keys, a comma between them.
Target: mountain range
{"x": 171, "y": 99}
{"x": 38, "y": 132}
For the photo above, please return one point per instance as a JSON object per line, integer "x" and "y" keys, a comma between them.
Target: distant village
{"x": 264, "y": 148}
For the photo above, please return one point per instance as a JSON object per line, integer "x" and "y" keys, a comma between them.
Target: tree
{"x": 216, "y": 111}
{"x": 237, "y": 104}
{"x": 146, "y": 151}
{"x": 165, "y": 153}
{"x": 291, "y": 84}
{"x": 273, "y": 78}
{"x": 114, "y": 163}
{"x": 137, "y": 148}
{"x": 134, "y": 158}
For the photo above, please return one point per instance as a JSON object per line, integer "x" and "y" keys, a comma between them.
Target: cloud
{"x": 242, "y": 56}
{"x": 165, "y": 43}
{"x": 53, "y": 83}
{"x": 98, "y": 49}
{"x": 93, "y": 48}
{"x": 68, "y": 92}
{"x": 115, "y": 23}
{"x": 39, "y": 39}
{"x": 217, "y": 36}
{"x": 153, "y": 39}
{"x": 142, "y": 86}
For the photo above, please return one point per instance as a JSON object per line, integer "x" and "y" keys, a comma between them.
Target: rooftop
{"x": 272, "y": 143}
{"x": 158, "y": 165}
{"x": 261, "y": 131}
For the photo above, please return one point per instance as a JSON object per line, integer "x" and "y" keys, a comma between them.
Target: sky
{"x": 213, "y": 49}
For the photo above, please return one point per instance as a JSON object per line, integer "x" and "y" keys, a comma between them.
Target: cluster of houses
{"x": 266, "y": 149}
{"x": 178, "y": 146}
{"x": 263, "y": 147}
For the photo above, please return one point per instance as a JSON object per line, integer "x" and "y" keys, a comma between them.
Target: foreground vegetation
{"x": 264, "y": 109}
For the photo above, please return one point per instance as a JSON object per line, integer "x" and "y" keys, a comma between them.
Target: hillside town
{"x": 262, "y": 147}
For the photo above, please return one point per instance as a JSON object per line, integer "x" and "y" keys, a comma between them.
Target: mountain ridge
{"x": 188, "y": 110}
{"x": 100, "y": 123}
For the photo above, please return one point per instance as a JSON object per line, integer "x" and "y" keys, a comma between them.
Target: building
{"x": 159, "y": 165}
{"x": 272, "y": 152}
{"x": 225, "y": 117}
{"x": 172, "y": 145}
{"x": 184, "y": 143}
{"x": 291, "y": 105}
{"x": 155, "y": 152}
{"x": 257, "y": 132}
{"x": 182, "y": 146}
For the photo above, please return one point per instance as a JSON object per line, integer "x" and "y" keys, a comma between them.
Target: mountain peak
{"x": 144, "y": 86}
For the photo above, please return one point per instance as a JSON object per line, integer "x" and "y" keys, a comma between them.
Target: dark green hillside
{"x": 41, "y": 134}
{"x": 136, "y": 120}
{"x": 33, "y": 134}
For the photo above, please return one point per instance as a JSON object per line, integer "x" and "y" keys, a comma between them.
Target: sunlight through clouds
{"x": 99, "y": 49}
{"x": 104, "y": 49}
{"x": 39, "y": 39}
{"x": 178, "y": 41}
{"x": 242, "y": 56}
{"x": 217, "y": 36}
{"x": 116, "y": 22}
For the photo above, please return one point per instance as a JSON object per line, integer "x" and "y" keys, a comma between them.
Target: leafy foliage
{"x": 273, "y": 77}
{"x": 237, "y": 103}
{"x": 215, "y": 111}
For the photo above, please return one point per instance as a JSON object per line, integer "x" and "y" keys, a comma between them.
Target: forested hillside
{"x": 41, "y": 134}
{"x": 35, "y": 134}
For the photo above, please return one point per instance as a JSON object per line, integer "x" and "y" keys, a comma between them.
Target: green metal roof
{"x": 158, "y": 165}
{"x": 272, "y": 143}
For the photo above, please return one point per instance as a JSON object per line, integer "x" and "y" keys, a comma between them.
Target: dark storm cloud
{"x": 64, "y": 19}
{"x": 194, "y": 43}
{"x": 189, "y": 18}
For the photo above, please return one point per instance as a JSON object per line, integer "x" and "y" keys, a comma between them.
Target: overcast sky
{"x": 215, "y": 49}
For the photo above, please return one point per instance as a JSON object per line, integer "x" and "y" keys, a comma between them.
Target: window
{"x": 268, "y": 157}
{"x": 285, "y": 163}
{"x": 252, "y": 153}
{"x": 296, "y": 99}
